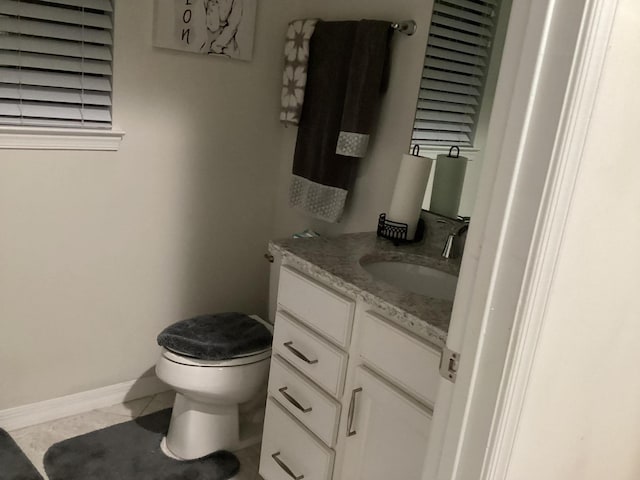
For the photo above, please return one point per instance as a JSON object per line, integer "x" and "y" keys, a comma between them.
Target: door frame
{"x": 552, "y": 62}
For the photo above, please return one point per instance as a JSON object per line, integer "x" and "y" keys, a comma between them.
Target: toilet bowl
{"x": 208, "y": 394}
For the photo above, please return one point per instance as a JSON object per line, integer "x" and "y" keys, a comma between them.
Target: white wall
{"x": 582, "y": 412}
{"x": 378, "y": 171}
{"x": 99, "y": 251}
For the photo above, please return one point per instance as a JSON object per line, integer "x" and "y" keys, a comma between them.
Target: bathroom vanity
{"x": 356, "y": 362}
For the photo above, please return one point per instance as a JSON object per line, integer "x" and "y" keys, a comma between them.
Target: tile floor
{"x": 35, "y": 440}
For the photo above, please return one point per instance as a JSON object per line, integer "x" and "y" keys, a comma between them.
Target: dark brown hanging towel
{"x": 347, "y": 73}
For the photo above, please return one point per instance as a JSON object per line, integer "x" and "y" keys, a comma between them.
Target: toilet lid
{"x": 221, "y": 336}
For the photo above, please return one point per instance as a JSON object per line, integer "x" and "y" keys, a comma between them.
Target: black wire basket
{"x": 396, "y": 231}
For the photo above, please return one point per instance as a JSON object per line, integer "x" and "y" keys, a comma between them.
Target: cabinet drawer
{"x": 410, "y": 362}
{"x": 290, "y": 451}
{"x": 314, "y": 408}
{"x": 322, "y": 309}
{"x": 309, "y": 353}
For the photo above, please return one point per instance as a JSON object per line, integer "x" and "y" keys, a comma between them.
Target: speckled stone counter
{"x": 336, "y": 262}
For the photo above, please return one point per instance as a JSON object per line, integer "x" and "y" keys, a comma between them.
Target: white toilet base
{"x": 164, "y": 449}
{"x": 198, "y": 429}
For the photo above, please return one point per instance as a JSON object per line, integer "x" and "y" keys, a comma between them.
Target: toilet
{"x": 215, "y": 363}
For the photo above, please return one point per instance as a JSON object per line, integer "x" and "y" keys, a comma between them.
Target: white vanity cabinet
{"x": 350, "y": 393}
{"x": 306, "y": 381}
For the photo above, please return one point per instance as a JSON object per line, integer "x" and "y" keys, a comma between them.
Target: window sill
{"x": 38, "y": 138}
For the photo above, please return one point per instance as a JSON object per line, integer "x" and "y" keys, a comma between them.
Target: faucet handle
{"x": 447, "y": 251}
{"x": 462, "y": 230}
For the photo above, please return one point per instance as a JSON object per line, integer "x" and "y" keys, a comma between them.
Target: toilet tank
{"x": 274, "y": 275}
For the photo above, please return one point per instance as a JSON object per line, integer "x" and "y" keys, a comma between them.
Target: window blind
{"x": 56, "y": 63}
{"x": 457, "y": 58}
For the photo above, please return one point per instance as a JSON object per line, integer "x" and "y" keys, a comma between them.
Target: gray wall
{"x": 100, "y": 250}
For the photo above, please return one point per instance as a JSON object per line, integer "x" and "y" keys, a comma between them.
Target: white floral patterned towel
{"x": 294, "y": 78}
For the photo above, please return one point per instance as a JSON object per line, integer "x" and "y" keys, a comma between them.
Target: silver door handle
{"x": 299, "y": 354}
{"x": 293, "y": 401}
{"x": 284, "y": 467}
{"x": 352, "y": 409}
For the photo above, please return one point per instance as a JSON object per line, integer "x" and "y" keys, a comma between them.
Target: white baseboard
{"x": 56, "y": 408}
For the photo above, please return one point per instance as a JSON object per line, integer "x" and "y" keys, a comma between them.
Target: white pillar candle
{"x": 408, "y": 193}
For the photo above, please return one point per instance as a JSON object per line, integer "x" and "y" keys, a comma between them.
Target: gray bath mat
{"x": 131, "y": 451}
{"x": 14, "y": 465}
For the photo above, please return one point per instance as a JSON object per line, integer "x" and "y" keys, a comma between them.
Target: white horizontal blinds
{"x": 455, "y": 67}
{"x": 56, "y": 63}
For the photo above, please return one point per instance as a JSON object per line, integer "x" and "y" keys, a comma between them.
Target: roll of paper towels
{"x": 408, "y": 193}
{"x": 448, "y": 180}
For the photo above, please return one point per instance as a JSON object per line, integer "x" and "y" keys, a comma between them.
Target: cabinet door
{"x": 386, "y": 431}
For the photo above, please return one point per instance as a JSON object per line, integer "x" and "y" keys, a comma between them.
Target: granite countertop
{"x": 336, "y": 261}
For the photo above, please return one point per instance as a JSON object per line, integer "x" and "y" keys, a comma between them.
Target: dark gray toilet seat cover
{"x": 216, "y": 337}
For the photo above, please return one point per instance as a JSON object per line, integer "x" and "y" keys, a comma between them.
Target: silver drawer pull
{"x": 352, "y": 409}
{"x": 284, "y": 467}
{"x": 293, "y": 401}
{"x": 299, "y": 354}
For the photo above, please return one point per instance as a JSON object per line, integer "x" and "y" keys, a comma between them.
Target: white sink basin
{"x": 415, "y": 278}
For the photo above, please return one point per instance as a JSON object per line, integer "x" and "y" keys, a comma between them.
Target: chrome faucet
{"x": 454, "y": 246}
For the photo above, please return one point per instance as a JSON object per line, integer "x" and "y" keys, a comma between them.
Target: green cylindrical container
{"x": 448, "y": 181}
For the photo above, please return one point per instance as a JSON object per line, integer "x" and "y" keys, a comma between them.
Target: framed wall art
{"x": 210, "y": 27}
